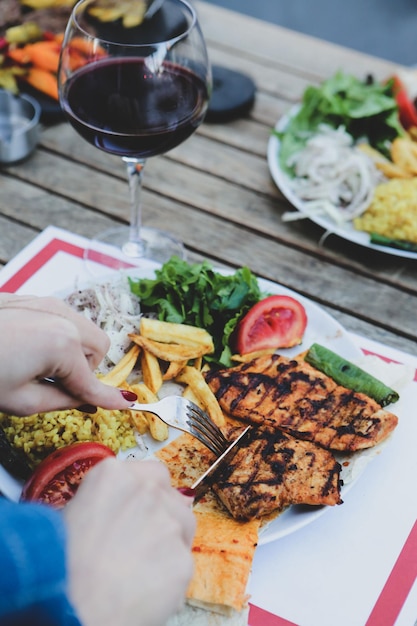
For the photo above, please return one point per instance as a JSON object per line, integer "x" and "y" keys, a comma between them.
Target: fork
{"x": 184, "y": 415}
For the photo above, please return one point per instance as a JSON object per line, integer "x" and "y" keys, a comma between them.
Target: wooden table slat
{"x": 215, "y": 191}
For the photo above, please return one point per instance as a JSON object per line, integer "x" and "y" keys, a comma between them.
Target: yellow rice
{"x": 393, "y": 211}
{"x": 38, "y": 435}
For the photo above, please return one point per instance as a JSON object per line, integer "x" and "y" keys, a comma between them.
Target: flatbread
{"x": 223, "y": 548}
{"x": 223, "y": 551}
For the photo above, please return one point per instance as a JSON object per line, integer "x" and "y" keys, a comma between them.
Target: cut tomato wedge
{"x": 57, "y": 478}
{"x": 275, "y": 322}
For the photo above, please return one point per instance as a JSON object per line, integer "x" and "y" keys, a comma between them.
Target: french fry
{"x": 412, "y": 133}
{"x": 198, "y": 363}
{"x": 138, "y": 418}
{"x": 119, "y": 374}
{"x": 168, "y": 351}
{"x": 392, "y": 170}
{"x": 387, "y": 167}
{"x": 246, "y": 358}
{"x": 151, "y": 372}
{"x": 404, "y": 154}
{"x": 206, "y": 398}
{"x": 157, "y": 428}
{"x": 168, "y": 332}
{"x": 174, "y": 368}
{"x": 190, "y": 395}
{"x": 140, "y": 421}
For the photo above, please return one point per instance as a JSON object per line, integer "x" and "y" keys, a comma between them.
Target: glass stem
{"x": 135, "y": 246}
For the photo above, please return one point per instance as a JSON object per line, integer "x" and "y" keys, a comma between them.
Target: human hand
{"x": 44, "y": 337}
{"x": 129, "y": 545}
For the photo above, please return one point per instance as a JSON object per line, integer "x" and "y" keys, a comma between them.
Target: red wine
{"x": 122, "y": 107}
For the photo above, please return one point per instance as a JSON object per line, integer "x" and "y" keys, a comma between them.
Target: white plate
{"x": 321, "y": 328}
{"x": 347, "y": 231}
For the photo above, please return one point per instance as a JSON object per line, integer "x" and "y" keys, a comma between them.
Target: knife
{"x": 204, "y": 482}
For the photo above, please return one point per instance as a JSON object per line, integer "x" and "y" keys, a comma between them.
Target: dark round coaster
{"x": 51, "y": 111}
{"x": 233, "y": 95}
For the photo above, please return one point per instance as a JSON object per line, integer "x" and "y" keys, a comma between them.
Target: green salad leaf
{"x": 195, "y": 294}
{"x": 367, "y": 109}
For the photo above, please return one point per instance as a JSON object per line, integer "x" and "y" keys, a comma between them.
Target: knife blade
{"x": 204, "y": 482}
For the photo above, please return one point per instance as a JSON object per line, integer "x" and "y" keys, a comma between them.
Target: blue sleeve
{"x": 33, "y": 567}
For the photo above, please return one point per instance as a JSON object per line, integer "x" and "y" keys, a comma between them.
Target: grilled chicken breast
{"x": 293, "y": 396}
{"x": 272, "y": 470}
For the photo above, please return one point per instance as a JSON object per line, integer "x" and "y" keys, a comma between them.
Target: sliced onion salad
{"x": 333, "y": 177}
{"x": 115, "y": 309}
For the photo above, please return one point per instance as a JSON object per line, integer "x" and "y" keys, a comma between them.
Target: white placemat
{"x": 354, "y": 566}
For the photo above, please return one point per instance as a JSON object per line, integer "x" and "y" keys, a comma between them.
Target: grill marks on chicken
{"x": 272, "y": 470}
{"x": 293, "y": 396}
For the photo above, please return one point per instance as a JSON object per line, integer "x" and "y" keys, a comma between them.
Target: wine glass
{"x": 135, "y": 93}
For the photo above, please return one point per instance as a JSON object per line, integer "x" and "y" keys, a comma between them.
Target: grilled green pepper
{"x": 349, "y": 375}
{"x": 400, "y": 244}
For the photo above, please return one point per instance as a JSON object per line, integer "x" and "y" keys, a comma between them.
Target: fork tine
{"x": 205, "y": 420}
{"x": 206, "y": 439}
{"x": 205, "y": 430}
{"x": 185, "y": 415}
{"x": 206, "y": 442}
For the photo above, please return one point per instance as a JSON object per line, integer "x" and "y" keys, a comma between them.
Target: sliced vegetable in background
{"x": 406, "y": 108}
{"x": 381, "y": 240}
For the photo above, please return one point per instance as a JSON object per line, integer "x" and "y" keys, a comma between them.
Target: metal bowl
{"x": 19, "y": 126}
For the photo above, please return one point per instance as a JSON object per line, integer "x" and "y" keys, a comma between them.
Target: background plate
{"x": 347, "y": 231}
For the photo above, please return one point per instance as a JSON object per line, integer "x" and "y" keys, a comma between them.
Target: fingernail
{"x": 128, "y": 395}
{"x": 87, "y": 408}
{"x": 186, "y": 491}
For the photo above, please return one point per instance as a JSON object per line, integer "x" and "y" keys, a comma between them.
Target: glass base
{"x": 113, "y": 249}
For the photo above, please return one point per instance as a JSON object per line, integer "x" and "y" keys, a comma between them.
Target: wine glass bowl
{"x": 135, "y": 94}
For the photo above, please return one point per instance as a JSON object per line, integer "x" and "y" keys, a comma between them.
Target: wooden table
{"x": 215, "y": 191}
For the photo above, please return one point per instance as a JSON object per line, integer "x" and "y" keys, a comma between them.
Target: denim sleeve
{"x": 33, "y": 567}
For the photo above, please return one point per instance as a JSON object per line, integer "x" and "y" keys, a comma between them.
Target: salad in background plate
{"x": 317, "y": 158}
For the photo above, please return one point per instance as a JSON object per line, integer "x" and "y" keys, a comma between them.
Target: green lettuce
{"x": 195, "y": 294}
{"x": 366, "y": 109}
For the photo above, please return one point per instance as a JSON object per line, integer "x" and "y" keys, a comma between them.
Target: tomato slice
{"x": 275, "y": 322}
{"x": 57, "y": 478}
{"x": 406, "y": 110}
